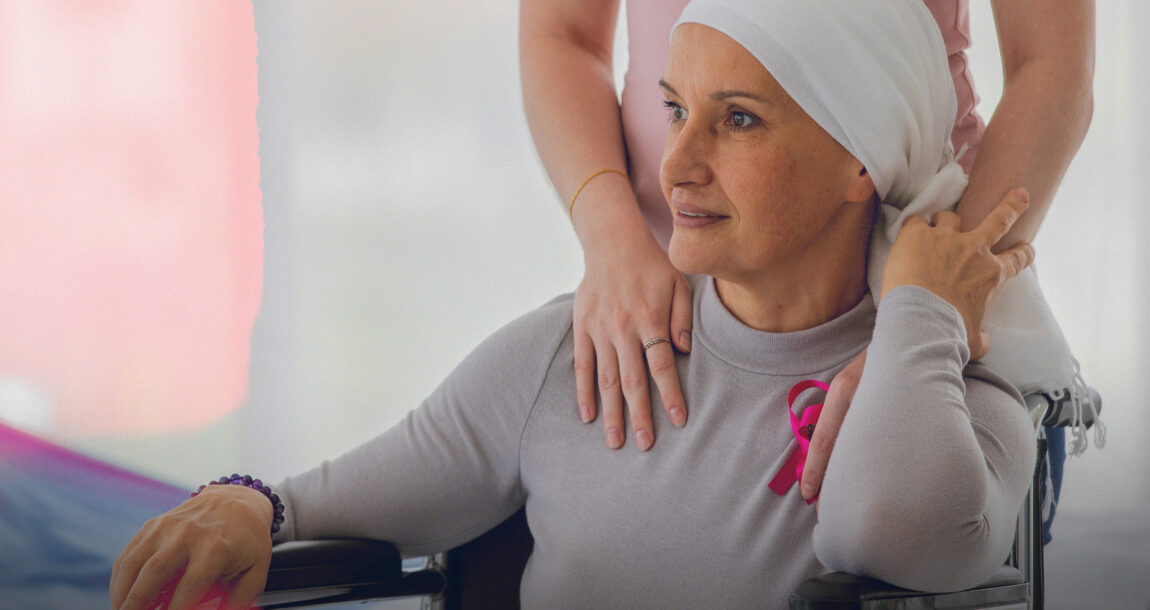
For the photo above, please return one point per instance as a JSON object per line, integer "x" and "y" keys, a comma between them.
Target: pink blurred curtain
{"x": 130, "y": 219}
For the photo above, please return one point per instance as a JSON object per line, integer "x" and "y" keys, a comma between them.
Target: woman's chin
{"x": 690, "y": 258}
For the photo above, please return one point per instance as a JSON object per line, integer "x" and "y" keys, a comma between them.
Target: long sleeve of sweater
{"x": 933, "y": 459}
{"x": 451, "y": 469}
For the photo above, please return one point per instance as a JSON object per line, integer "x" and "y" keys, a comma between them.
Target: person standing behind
{"x": 603, "y": 156}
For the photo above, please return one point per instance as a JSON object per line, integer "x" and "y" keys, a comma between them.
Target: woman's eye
{"x": 675, "y": 112}
{"x": 741, "y": 120}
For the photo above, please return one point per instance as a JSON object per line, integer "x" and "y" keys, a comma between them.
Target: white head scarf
{"x": 874, "y": 75}
{"x": 889, "y": 100}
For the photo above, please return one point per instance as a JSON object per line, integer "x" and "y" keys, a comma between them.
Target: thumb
{"x": 979, "y": 350}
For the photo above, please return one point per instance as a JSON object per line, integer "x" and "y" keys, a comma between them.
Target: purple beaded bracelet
{"x": 258, "y": 485}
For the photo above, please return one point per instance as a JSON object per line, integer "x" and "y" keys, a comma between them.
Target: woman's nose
{"x": 685, "y": 156}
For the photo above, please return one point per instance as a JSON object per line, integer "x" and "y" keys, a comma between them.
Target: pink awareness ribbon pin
{"x": 803, "y": 429}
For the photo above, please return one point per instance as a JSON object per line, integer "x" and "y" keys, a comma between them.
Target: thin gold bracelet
{"x": 571, "y": 206}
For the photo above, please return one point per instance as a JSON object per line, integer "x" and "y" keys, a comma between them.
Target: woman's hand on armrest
{"x": 959, "y": 266}
{"x": 216, "y": 544}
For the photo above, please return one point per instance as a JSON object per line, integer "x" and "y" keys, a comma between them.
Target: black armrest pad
{"x": 839, "y": 591}
{"x": 324, "y": 563}
{"x": 321, "y": 572}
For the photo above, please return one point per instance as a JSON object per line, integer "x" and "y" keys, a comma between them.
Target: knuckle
{"x": 584, "y": 366}
{"x": 607, "y": 380}
{"x": 217, "y": 547}
{"x": 620, "y": 319}
{"x": 129, "y": 564}
{"x": 189, "y": 533}
{"x": 813, "y": 471}
{"x": 135, "y": 599}
{"x": 646, "y": 313}
{"x": 160, "y": 564}
{"x": 661, "y": 366}
{"x": 822, "y": 441}
{"x": 591, "y": 329}
{"x": 157, "y": 523}
{"x": 632, "y": 382}
{"x": 997, "y": 275}
{"x": 612, "y": 418}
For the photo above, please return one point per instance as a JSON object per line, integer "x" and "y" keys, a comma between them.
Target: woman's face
{"x": 752, "y": 181}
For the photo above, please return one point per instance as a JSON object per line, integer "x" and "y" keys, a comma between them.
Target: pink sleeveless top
{"x": 645, "y": 124}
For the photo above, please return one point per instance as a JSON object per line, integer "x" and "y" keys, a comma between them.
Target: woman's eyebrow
{"x": 726, "y": 94}
{"x": 719, "y": 96}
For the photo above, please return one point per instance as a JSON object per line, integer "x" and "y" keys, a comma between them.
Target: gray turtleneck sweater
{"x": 922, "y": 490}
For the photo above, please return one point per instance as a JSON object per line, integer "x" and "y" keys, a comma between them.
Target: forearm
{"x": 423, "y": 485}
{"x": 1046, "y": 107}
{"x": 572, "y": 109}
{"x": 1034, "y": 134}
{"x": 930, "y": 468}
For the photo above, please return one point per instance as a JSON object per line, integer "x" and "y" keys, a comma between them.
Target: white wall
{"x": 1089, "y": 248}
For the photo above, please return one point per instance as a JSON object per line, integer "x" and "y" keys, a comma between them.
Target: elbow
{"x": 544, "y": 36}
{"x": 1087, "y": 107}
{"x": 1079, "y": 101}
{"x": 923, "y": 549}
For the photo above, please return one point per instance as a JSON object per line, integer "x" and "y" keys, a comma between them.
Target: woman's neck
{"x": 824, "y": 282}
{"x": 799, "y": 306}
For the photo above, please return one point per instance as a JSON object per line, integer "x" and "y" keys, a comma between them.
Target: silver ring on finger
{"x": 649, "y": 343}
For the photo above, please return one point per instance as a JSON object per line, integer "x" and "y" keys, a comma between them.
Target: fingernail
{"x": 614, "y": 438}
{"x": 585, "y": 413}
{"x": 643, "y": 440}
{"x": 1022, "y": 194}
{"x": 678, "y": 416}
{"x": 808, "y": 490}
{"x": 685, "y": 340}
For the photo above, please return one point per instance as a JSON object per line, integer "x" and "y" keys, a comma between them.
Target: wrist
{"x": 607, "y": 213}
{"x": 251, "y": 492}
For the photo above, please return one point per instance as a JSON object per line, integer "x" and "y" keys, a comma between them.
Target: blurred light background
{"x": 406, "y": 217}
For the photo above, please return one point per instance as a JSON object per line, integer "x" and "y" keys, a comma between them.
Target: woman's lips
{"x": 687, "y": 215}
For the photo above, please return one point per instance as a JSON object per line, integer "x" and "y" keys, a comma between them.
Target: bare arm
{"x": 630, "y": 293}
{"x": 572, "y": 109}
{"x": 1047, "y": 102}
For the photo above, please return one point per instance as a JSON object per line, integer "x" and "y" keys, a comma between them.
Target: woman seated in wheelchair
{"x": 774, "y": 180}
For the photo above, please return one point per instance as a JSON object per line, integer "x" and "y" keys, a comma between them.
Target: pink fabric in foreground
{"x": 131, "y": 245}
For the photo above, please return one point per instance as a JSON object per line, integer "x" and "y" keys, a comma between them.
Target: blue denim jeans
{"x": 1056, "y": 458}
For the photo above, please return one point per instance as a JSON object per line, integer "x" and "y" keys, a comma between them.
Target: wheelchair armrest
{"x": 839, "y": 591}
{"x": 1057, "y": 410}
{"x": 341, "y": 570}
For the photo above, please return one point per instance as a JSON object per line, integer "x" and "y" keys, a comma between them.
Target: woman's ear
{"x": 860, "y": 187}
